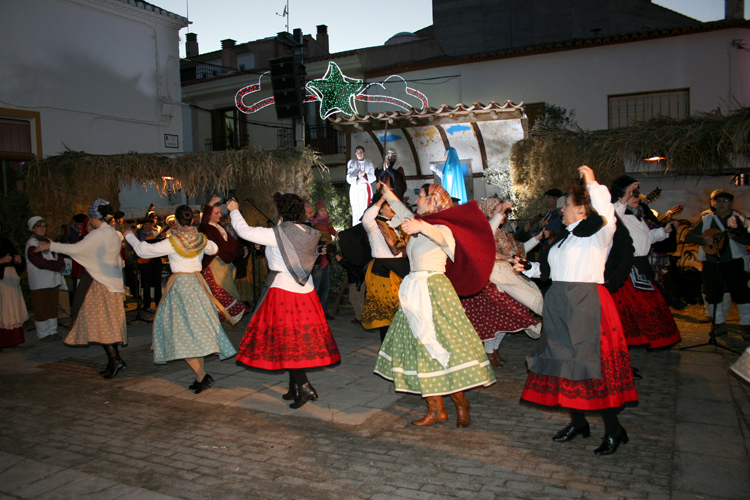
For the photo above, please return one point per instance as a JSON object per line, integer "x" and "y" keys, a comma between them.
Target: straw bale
{"x": 62, "y": 185}
{"x": 704, "y": 144}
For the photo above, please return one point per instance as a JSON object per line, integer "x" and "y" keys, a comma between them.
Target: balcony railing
{"x": 225, "y": 143}
{"x": 325, "y": 139}
{"x": 198, "y": 71}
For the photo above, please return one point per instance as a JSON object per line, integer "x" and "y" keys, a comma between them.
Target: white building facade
{"x": 99, "y": 76}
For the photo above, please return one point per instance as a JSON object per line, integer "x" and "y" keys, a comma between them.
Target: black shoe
{"x": 306, "y": 393}
{"x": 204, "y": 384}
{"x": 637, "y": 374}
{"x": 570, "y": 431}
{"x": 293, "y": 393}
{"x": 194, "y": 385}
{"x": 107, "y": 368}
{"x": 117, "y": 367}
{"x": 356, "y": 321}
{"x": 328, "y": 316}
{"x": 611, "y": 443}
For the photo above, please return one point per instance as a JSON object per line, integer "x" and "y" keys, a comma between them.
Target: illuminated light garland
{"x": 362, "y": 96}
{"x": 419, "y": 95}
{"x": 335, "y": 91}
{"x": 240, "y": 95}
{"x": 384, "y": 98}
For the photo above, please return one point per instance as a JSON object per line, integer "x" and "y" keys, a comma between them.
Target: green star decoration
{"x": 336, "y": 92}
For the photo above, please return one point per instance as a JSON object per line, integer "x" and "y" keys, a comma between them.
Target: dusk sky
{"x": 351, "y": 24}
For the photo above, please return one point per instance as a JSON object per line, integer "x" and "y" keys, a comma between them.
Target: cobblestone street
{"x": 66, "y": 433}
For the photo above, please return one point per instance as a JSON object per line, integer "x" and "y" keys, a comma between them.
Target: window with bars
{"x": 228, "y": 130}
{"x": 626, "y": 109}
{"x": 15, "y": 139}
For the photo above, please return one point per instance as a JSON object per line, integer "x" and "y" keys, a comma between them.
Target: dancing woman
{"x": 581, "y": 363}
{"x": 98, "y": 315}
{"x": 288, "y": 330}
{"x": 186, "y": 325}
{"x": 387, "y": 269}
{"x": 503, "y": 305}
{"x": 218, "y": 269}
{"x": 645, "y": 315}
{"x": 13, "y": 311}
{"x": 431, "y": 347}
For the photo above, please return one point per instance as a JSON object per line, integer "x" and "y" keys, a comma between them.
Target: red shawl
{"x": 470, "y": 271}
{"x": 229, "y": 250}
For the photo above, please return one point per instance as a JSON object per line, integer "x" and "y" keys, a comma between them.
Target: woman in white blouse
{"x": 186, "y": 324}
{"x": 581, "y": 363}
{"x": 98, "y": 315}
{"x": 431, "y": 348}
{"x": 645, "y": 315}
{"x": 387, "y": 269}
{"x": 288, "y": 330}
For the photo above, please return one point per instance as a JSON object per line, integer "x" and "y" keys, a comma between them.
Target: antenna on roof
{"x": 285, "y": 14}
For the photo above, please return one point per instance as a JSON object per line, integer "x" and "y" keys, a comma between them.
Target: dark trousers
{"x": 731, "y": 277}
{"x": 322, "y": 280}
{"x": 151, "y": 278}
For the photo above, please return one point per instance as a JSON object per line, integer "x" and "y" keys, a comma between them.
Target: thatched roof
{"x": 704, "y": 144}
{"x": 60, "y": 186}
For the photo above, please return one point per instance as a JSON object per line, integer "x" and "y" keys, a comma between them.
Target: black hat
{"x": 720, "y": 193}
{"x": 79, "y": 218}
{"x": 554, "y": 192}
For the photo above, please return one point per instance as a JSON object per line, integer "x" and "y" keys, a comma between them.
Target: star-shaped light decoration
{"x": 336, "y": 92}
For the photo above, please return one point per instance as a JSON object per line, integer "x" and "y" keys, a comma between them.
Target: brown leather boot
{"x": 499, "y": 358}
{"x": 435, "y": 412}
{"x": 462, "y": 409}
{"x": 494, "y": 359}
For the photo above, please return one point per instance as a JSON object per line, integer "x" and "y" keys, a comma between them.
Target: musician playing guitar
{"x": 712, "y": 231}
{"x": 550, "y": 221}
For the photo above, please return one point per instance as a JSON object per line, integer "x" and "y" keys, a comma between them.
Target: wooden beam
{"x": 480, "y": 143}
{"x": 443, "y": 136}
{"x": 377, "y": 143}
{"x": 413, "y": 150}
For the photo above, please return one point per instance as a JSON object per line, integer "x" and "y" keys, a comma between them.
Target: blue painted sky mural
{"x": 453, "y": 129}
{"x": 390, "y": 138}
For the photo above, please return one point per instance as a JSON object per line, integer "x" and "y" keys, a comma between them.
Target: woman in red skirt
{"x": 581, "y": 363}
{"x": 505, "y": 304}
{"x": 645, "y": 315}
{"x": 288, "y": 330}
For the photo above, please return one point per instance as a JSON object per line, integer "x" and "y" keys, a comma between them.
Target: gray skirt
{"x": 571, "y": 328}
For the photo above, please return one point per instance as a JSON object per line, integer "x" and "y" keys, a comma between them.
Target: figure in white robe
{"x": 360, "y": 173}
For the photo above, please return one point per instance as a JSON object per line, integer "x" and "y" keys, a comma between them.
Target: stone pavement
{"x": 66, "y": 433}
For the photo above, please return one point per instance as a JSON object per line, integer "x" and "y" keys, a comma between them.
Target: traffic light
{"x": 288, "y": 82}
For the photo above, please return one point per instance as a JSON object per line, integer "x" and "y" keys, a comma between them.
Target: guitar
{"x": 672, "y": 211}
{"x": 720, "y": 241}
{"x": 653, "y": 196}
{"x": 541, "y": 218}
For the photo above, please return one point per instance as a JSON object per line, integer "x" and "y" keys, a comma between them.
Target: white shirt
{"x": 378, "y": 246}
{"x": 643, "y": 237}
{"x": 428, "y": 250}
{"x": 264, "y": 236}
{"x": 582, "y": 260}
{"x": 99, "y": 253}
{"x": 177, "y": 263}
